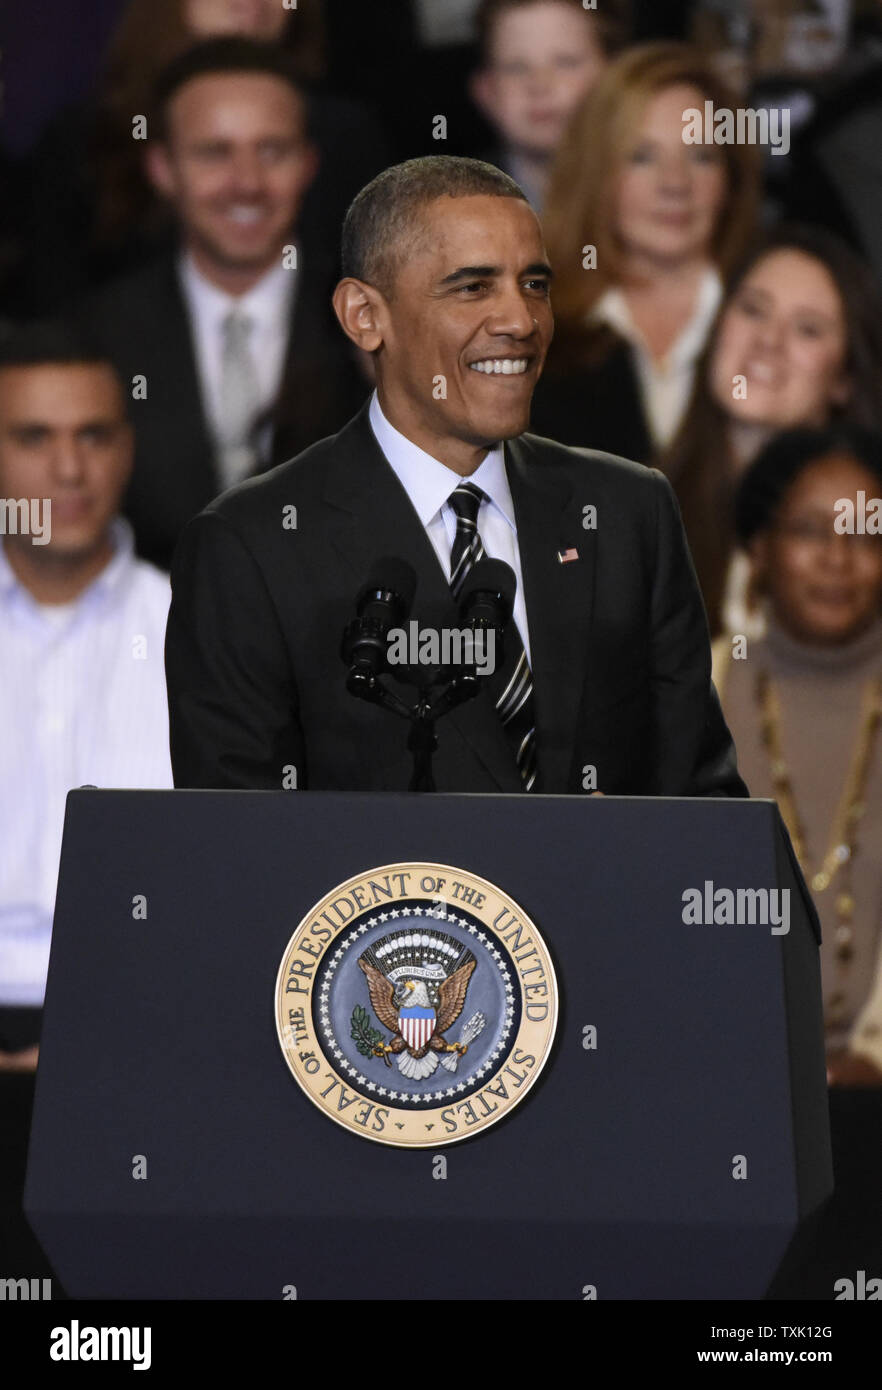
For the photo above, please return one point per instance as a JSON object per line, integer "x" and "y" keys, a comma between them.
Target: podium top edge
{"x": 438, "y": 796}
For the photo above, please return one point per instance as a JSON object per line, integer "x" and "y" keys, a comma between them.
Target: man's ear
{"x": 158, "y": 167}
{"x": 360, "y": 311}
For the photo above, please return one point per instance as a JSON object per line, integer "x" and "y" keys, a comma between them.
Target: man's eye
{"x": 473, "y": 285}
{"x": 541, "y": 285}
{"x": 274, "y": 150}
{"x": 703, "y": 154}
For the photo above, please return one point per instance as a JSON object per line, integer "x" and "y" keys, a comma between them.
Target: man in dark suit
{"x": 229, "y": 343}
{"x": 446, "y": 285}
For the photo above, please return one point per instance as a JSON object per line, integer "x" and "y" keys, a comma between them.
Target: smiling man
{"x": 228, "y": 339}
{"x": 606, "y": 684}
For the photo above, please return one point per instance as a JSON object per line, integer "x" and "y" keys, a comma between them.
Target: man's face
{"x": 64, "y": 436}
{"x": 259, "y": 19}
{"x": 236, "y": 166}
{"x": 465, "y": 333}
{"x": 543, "y": 60}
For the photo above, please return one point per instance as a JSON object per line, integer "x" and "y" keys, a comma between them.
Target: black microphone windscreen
{"x": 490, "y": 576}
{"x": 393, "y": 576}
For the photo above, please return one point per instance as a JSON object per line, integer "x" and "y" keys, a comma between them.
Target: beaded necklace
{"x": 842, "y": 844}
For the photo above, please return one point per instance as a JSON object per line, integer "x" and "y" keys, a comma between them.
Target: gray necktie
{"x": 240, "y": 401}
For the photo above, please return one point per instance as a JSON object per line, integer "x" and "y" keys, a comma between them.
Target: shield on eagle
{"x": 417, "y": 1024}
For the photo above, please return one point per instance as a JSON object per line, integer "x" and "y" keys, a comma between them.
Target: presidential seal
{"x": 416, "y": 1004}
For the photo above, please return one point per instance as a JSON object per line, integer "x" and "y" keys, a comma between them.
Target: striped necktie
{"x": 514, "y": 697}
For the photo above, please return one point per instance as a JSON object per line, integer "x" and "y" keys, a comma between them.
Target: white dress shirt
{"x": 429, "y": 483}
{"x": 82, "y": 700}
{"x": 666, "y": 385}
{"x": 269, "y": 304}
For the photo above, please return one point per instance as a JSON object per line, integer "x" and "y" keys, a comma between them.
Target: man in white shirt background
{"x": 82, "y": 624}
{"x": 228, "y": 345}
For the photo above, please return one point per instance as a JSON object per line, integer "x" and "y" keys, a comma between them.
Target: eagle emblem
{"x": 417, "y": 983}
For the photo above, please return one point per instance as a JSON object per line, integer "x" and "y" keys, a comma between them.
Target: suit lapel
{"x": 374, "y": 518}
{"x": 559, "y": 600}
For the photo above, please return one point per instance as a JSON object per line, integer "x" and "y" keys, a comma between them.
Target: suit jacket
{"x": 141, "y": 322}
{"x": 585, "y": 394}
{"x": 619, "y": 643}
{"x": 825, "y": 189}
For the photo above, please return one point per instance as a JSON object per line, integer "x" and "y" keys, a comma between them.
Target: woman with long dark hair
{"x": 798, "y": 341}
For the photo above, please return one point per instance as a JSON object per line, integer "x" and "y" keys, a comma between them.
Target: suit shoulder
{"x": 579, "y": 463}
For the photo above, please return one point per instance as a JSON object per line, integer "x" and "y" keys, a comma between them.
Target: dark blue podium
{"x": 675, "y": 1159}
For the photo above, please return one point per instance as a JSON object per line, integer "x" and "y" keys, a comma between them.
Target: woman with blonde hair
{"x": 641, "y": 228}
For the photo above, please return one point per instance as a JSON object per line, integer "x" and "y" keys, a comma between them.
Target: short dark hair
{"x": 54, "y": 343}
{"x": 613, "y": 22}
{"x": 381, "y": 221}
{"x": 223, "y": 55}
{"x": 49, "y": 343}
{"x": 788, "y": 454}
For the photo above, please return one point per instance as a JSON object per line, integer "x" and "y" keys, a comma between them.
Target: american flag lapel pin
{"x": 565, "y": 557}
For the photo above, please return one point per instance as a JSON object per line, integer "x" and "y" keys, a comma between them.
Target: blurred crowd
{"x": 169, "y": 238}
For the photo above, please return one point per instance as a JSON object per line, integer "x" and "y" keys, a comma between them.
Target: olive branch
{"x": 363, "y": 1035}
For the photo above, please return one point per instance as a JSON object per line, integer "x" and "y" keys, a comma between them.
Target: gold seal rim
{"x": 549, "y": 1026}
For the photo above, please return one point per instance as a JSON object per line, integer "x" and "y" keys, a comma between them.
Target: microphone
{"x": 486, "y": 601}
{"x": 382, "y": 603}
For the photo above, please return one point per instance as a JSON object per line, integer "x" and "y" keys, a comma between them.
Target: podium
{"x": 674, "y": 1140}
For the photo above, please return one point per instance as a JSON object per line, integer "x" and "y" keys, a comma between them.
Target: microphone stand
{"x": 485, "y": 607}
{"x": 432, "y": 703}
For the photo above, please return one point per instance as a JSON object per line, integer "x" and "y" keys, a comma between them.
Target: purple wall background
{"x": 51, "y": 52}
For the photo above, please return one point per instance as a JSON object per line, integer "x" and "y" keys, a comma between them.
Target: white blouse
{"x": 666, "y": 385}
